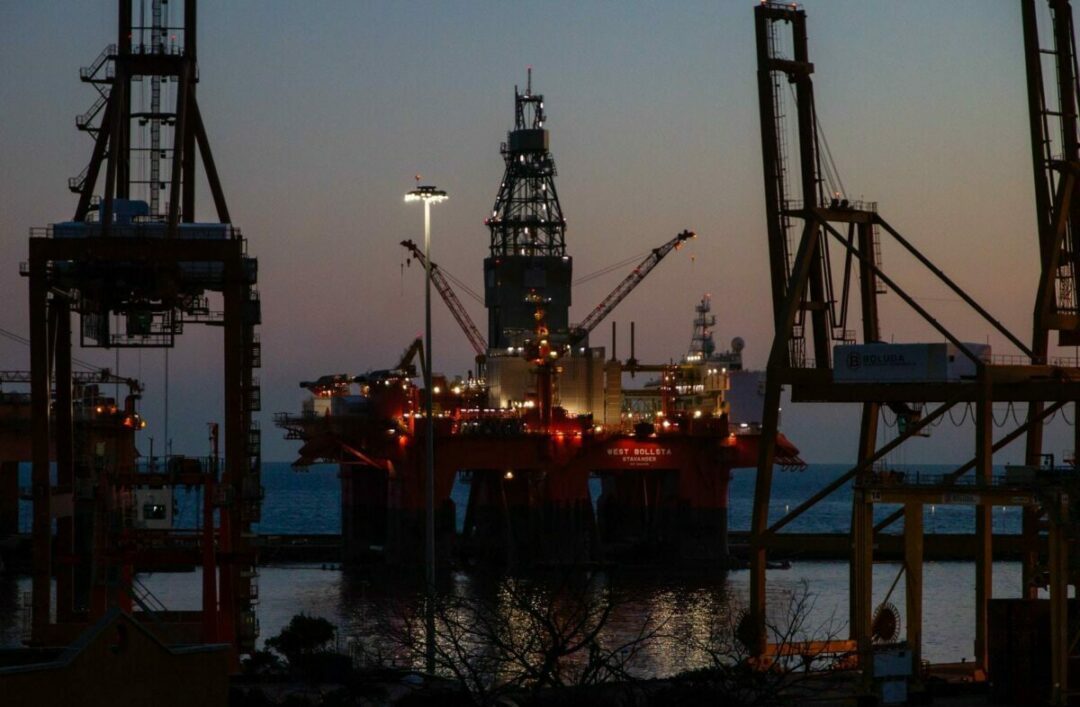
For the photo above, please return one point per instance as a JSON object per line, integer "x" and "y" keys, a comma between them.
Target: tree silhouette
{"x": 304, "y": 637}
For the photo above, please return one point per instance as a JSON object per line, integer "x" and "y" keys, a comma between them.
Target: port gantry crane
{"x": 134, "y": 252}
{"x": 803, "y": 288}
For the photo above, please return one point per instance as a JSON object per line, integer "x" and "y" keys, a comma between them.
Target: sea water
{"x": 686, "y": 606}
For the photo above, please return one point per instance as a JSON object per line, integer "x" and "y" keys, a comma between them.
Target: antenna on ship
{"x": 701, "y": 342}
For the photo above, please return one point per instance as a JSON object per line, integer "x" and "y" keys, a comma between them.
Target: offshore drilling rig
{"x": 545, "y": 413}
{"x": 136, "y": 267}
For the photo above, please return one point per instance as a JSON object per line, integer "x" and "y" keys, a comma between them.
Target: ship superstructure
{"x": 743, "y": 389}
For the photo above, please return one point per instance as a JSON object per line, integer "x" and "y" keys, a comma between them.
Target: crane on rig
{"x": 580, "y": 331}
{"x": 461, "y": 315}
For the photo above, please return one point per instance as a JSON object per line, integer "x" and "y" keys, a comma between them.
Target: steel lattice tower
{"x": 527, "y": 218}
{"x": 528, "y": 235}
{"x": 118, "y": 260}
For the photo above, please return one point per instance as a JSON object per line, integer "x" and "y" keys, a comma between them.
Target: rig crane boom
{"x": 452, "y": 302}
{"x": 625, "y": 287}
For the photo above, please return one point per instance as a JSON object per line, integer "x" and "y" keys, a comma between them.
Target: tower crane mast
{"x": 461, "y": 315}
{"x": 627, "y": 286}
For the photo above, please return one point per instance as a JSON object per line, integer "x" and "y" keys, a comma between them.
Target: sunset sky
{"x": 320, "y": 113}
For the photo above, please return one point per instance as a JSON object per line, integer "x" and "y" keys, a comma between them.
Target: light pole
{"x": 429, "y": 195}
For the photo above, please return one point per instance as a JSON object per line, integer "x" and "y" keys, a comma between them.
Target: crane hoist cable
{"x": 461, "y": 284}
{"x": 610, "y": 268}
{"x": 26, "y": 342}
{"x": 830, "y": 173}
{"x": 460, "y": 314}
{"x": 627, "y": 286}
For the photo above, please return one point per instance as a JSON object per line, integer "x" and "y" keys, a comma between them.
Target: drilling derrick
{"x": 134, "y": 254}
{"x": 528, "y": 236}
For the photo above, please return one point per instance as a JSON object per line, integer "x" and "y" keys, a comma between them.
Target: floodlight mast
{"x": 429, "y": 195}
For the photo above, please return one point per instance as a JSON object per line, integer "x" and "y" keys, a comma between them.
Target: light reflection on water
{"x": 359, "y": 604}
{"x": 309, "y": 503}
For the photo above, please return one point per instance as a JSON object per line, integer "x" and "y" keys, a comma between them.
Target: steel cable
{"x": 26, "y": 342}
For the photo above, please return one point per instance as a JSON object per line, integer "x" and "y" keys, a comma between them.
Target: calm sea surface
{"x": 308, "y": 502}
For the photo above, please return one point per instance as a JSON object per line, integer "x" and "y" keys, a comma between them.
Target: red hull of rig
{"x": 664, "y": 488}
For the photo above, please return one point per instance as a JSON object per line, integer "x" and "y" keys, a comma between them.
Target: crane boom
{"x": 625, "y": 287}
{"x": 473, "y": 334}
{"x": 101, "y": 376}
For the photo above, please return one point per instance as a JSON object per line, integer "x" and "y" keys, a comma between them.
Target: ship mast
{"x": 701, "y": 342}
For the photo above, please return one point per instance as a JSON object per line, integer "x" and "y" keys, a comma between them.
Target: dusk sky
{"x": 320, "y": 113}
